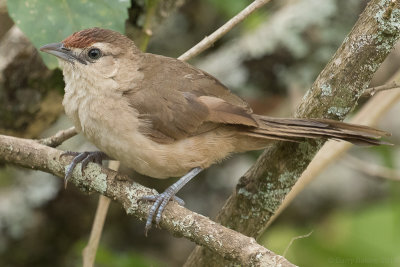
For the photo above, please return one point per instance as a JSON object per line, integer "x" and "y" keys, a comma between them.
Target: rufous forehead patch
{"x": 86, "y": 38}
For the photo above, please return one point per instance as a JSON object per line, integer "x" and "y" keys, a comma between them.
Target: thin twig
{"x": 89, "y": 252}
{"x": 58, "y": 138}
{"x": 151, "y": 7}
{"x": 210, "y": 40}
{"x": 176, "y": 219}
{"x": 295, "y": 238}
{"x": 370, "y": 168}
{"x": 373, "y": 90}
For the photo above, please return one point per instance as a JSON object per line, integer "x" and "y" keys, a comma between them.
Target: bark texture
{"x": 30, "y": 94}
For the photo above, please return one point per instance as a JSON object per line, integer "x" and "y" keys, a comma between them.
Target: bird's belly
{"x": 115, "y": 132}
{"x": 162, "y": 160}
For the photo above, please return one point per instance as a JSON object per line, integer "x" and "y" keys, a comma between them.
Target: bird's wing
{"x": 176, "y": 100}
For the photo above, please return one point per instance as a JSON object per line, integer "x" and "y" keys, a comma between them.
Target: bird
{"x": 165, "y": 118}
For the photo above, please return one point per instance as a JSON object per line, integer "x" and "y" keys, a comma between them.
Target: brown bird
{"x": 165, "y": 118}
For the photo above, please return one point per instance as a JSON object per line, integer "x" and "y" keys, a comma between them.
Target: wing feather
{"x": 175, "y": 100}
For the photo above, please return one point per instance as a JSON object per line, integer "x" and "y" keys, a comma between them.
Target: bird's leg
{"x": 84, "y": 158}
{"x": 161, "y": 200}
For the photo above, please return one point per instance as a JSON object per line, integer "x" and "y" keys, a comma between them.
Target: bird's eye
{"x": 94, "y": 53}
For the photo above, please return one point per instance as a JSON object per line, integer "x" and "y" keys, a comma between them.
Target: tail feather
{"x": 296, "y": 130}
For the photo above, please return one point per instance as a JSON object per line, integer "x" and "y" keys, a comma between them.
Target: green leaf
{"x": 51, "y": 21}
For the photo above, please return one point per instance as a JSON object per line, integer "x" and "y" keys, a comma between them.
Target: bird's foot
{"x": 84, "y": 158}
{"x": 161, "y": 200}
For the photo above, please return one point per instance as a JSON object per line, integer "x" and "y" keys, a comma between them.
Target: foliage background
{"x": 353, "y": 215}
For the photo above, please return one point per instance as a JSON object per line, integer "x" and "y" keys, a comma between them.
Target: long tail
{"x": 297, "y": 130}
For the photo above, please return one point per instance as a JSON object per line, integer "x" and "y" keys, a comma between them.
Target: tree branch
{"x": 176, "y": 219}
{"x": 39, "y": 102}
{"x": 89, "y": 252}
{"x": 373, "y": 90}
{"x": 333, "y": 95}
{"x": 210, "y": 40}
{"x": 58, "y": 138}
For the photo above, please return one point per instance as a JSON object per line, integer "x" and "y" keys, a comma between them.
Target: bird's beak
{"x": 60, "y": 51}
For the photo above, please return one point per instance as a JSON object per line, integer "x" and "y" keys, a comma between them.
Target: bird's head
{"x": 98, "y": 52}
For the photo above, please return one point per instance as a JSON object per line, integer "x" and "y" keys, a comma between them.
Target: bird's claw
{"x": 84, "y": 158}
{"x": 161, "y": 200}
{"x": 156, "y": 210}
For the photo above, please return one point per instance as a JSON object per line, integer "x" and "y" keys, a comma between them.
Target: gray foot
{"x": 161, "y": 200}
{"x": 84, "y": 158}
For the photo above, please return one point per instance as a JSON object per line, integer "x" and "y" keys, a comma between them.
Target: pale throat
{"x": 83, "y": 87}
